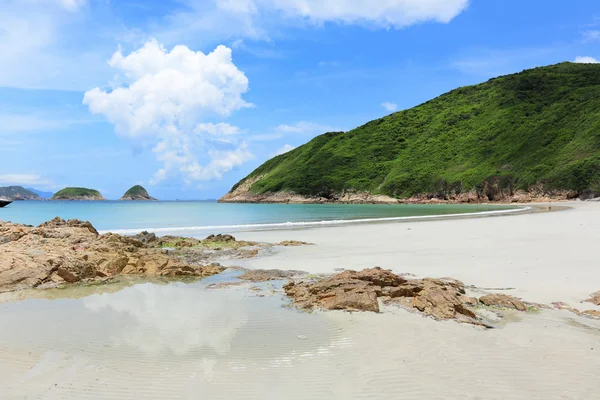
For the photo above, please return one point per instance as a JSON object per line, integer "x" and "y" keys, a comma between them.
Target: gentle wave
{"x": 165, "y": 230}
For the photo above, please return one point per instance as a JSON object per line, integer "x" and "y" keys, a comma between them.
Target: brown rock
{"x": 594, "y": 299}
{"x": 503, "y": 301}
{"x": 263, "y": 275}
{"x": 293, "y": 243}
{"x": 359, "y": 291}
{"x": 60, "y": 251}
{"x": 591, "y": 313}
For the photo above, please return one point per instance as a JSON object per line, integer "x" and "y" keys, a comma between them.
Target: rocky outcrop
{"x": 59, "y": 251}
{"x": 137, "y": 193}
{"x": 503, "y": 301}
{"x": 361, "y": 291}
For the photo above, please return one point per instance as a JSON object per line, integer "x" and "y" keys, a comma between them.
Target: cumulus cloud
{"x": 166, "y": 100}
{"x": 586, "y": 60}
{"x": 284, "y": 149}
{"x": 391, "y": 107}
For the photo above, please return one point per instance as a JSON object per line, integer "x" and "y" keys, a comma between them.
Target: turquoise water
{"x": 200, "y": 216}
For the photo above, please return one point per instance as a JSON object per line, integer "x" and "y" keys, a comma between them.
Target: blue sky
{"x": 187, "y": 97}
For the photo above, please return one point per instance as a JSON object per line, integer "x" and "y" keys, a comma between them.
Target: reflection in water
{"x": 175, "y": 317}
{"x": 157, "y": 341}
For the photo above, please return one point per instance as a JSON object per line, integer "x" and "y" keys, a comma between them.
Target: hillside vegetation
{"x": 17, "y": 193}
{"x": 137, "y": 193}
{"x": 536, "y": 129}
{"x": 76, "y": 193}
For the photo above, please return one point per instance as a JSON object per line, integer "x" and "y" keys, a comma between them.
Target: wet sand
{"x": 175, "y": 340}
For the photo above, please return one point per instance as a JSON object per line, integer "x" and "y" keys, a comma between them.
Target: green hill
{"x": 17, "y": 193}
{"x": 538, "y": 130}
{"x": 137, "y": 193}
{"x": 76, "y": 193}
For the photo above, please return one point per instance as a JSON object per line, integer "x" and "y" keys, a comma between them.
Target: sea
{"x": 195, "y": 218}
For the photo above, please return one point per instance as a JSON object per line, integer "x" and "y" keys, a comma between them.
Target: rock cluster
{"x": 60, "y": 251}
{"x": 360, "y": 291}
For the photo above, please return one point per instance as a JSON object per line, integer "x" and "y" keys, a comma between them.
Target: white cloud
{"x": 391, "y": 107}
{"x": 284, "y": 149}
{"x": 167, "y": 99}
{"x": 24, "y": 180}
{"x": 254, "y": 19}
{"x": 586, "y": 60}
{"x": 217, "y": 129}
{"x": 386, "y": 13}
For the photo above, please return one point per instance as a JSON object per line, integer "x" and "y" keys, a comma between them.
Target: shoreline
{"x": 282, "y": 226}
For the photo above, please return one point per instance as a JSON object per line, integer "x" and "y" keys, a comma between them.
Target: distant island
{"x": 17, "y": 193}
{"x": 518, "y": 138}
{"x": 76, "y": 193}
{"x": 137, "y": 193}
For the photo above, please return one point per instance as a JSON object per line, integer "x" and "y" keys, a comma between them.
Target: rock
{"x": 263, "y": 275}
{"x": 335, "y": 294}
{"x": 146, "y": 237}
{"x": 293, "y": 243}
{"x": 220, "y": 238}
{"x": 591, "y": 313}
{"x": 60, "y": 251}
{"x": 503, "y": 301}
{"x": 359, "y": 291}
{"x": 594, "y": 298}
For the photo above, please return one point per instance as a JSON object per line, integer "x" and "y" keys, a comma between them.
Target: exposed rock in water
{"x": 60, "y": 251}
{"x": 594, "y": 299}
{"x": 503, "y": 301}
{"x": 359, "y": 291}
{"x": 264, "y": 275}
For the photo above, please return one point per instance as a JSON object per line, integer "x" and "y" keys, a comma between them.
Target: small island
{"x": 76, "y": 193}
{"x": 137, "y": 193}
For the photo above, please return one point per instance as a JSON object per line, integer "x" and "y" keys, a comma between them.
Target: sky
{"x": 186, "y": 97}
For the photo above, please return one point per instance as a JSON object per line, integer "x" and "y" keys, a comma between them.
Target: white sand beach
{"x": 187, "y": 341}
{"x": 546, "y": 257}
